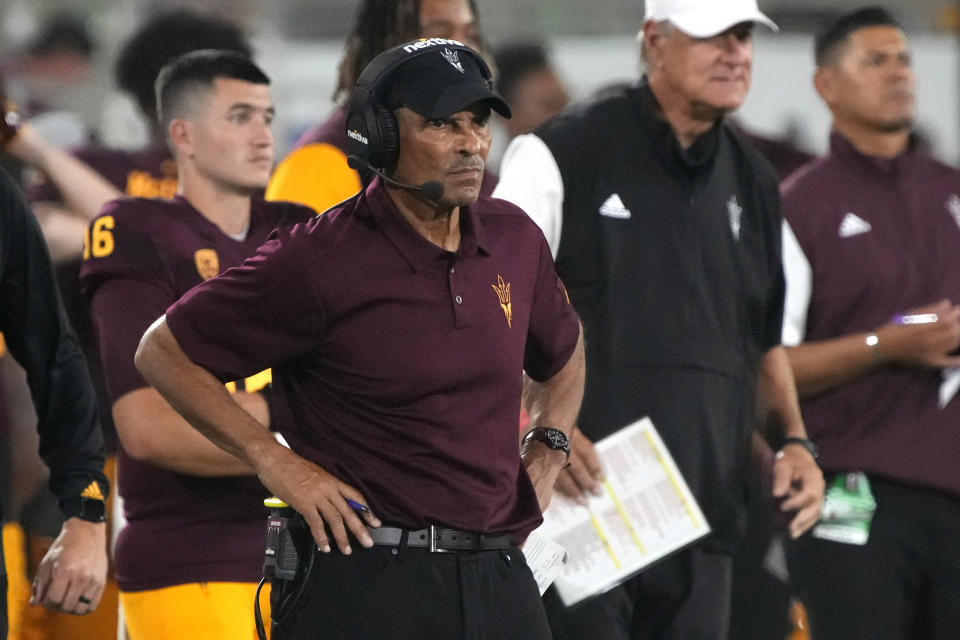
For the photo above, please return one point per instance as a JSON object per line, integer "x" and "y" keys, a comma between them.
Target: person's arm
{"x": 797, "y": 480}
{"x": 530, "y": 179}
{"x": 27, "y": 473}
{"x": 200, "y": 398}
{"x": 826, "y": 364}
{"x": 553, "y": 403}
{"x": 84, "y": 191}
{"x": 151, "y": 431}
{"x": 39, "y": 338}
{"x": 148, "y": 427}
{"x": 63, "y": 230}
{"x": 821, "y": 365}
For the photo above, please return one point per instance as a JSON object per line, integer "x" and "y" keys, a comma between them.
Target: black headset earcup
{"x": 389, "y": 147}
{"x": 359, "y": 121}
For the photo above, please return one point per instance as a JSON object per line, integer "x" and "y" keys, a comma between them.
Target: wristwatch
{"x": 89, "y": 509}
{"x": 89, "y": 505}
{"x": 553, "y": 438}
{"x": 803, "y": 442}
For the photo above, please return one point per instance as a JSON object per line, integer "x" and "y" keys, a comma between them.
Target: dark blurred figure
{"x": 530, "y": 85}
{"x": 316, "y": 173}
{"x": 67, "y": 195}
{"x": 70, "y": 578}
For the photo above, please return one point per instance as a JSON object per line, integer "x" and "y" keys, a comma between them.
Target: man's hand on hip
{"x": 318, "y": 496}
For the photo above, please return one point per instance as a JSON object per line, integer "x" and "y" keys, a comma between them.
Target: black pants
{"x": 685, "y": 597}
{"x": 904, "y": 584}
{"x": 412, "y": 594}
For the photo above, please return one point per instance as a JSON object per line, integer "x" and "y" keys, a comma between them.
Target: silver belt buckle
{"x": 433, "y": 532}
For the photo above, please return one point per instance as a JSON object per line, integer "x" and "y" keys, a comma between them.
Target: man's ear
{"x": 652, "y": 42}
{"x": 181, "y": 136}
{"x": 825, "y": 82}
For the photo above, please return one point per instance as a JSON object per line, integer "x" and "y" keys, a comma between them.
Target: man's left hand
{"x": 543, "y": 465}
{"x": 71, "y": 577}
{"x": 798, "y": 482}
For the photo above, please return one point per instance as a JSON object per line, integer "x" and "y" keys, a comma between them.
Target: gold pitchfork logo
{"x": 503, "y": 293}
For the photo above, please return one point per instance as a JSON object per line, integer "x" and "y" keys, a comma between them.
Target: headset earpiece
{"x": 389, "y": 137}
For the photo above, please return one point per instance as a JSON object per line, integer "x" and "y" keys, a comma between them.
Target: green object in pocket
{"x": 848, "y": 509}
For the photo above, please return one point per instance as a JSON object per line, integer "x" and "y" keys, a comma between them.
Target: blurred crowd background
{"x": 299, "y": 43}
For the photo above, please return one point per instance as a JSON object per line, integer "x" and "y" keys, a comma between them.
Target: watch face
{"x": 84, "y": 508}
{"x": 557, "y": 438}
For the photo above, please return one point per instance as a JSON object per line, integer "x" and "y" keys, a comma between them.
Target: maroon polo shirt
{"x": 144, "y": 255}
{"x": 397, "y": 364}
{"x": 881, "y": 237}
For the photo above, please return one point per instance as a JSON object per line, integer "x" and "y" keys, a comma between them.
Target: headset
{"x": 372, "y": 134}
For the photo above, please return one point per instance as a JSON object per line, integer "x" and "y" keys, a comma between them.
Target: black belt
{"x": 438, "y": 539}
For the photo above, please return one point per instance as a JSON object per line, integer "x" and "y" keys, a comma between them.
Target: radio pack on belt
{"x": 288, "y": 538}
{"x": 280, "y": 558}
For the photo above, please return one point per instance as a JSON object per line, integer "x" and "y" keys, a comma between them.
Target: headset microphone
{"x": 431, "y": 190}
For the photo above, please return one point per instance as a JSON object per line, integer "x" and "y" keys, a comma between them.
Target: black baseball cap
{"x": 442, "y": 82}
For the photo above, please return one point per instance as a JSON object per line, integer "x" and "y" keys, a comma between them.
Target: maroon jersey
{"x": 141, "y": 256}
{"x": 397, "y": 365}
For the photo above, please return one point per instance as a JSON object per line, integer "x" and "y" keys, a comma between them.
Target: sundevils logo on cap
{"x": 453, "y": 59}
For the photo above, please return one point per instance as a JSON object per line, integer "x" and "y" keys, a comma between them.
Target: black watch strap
{"x": 553, "y": 438}
{"x": 89, "y": 509}
{"x": 90, "y": 505}
{"x": 806, "y": 443}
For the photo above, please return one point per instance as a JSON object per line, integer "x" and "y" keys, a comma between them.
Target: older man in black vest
{"x": 665, "y": 227}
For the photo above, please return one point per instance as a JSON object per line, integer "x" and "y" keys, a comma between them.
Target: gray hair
{"x": 666, "y": 27}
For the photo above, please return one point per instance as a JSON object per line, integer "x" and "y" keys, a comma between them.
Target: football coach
{"x": 399, "y": 326}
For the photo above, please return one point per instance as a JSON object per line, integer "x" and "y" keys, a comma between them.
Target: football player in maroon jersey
{"x": 194, "y": 538}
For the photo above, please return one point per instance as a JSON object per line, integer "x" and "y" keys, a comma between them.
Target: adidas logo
{"x": 853, "y": 225}
{"x": 613, "y": 208}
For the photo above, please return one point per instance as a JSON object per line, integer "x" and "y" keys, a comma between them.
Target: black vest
{"x": 672, "y": 259}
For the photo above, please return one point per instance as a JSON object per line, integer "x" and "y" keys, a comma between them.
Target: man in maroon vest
{"x": 872, "y": 259}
